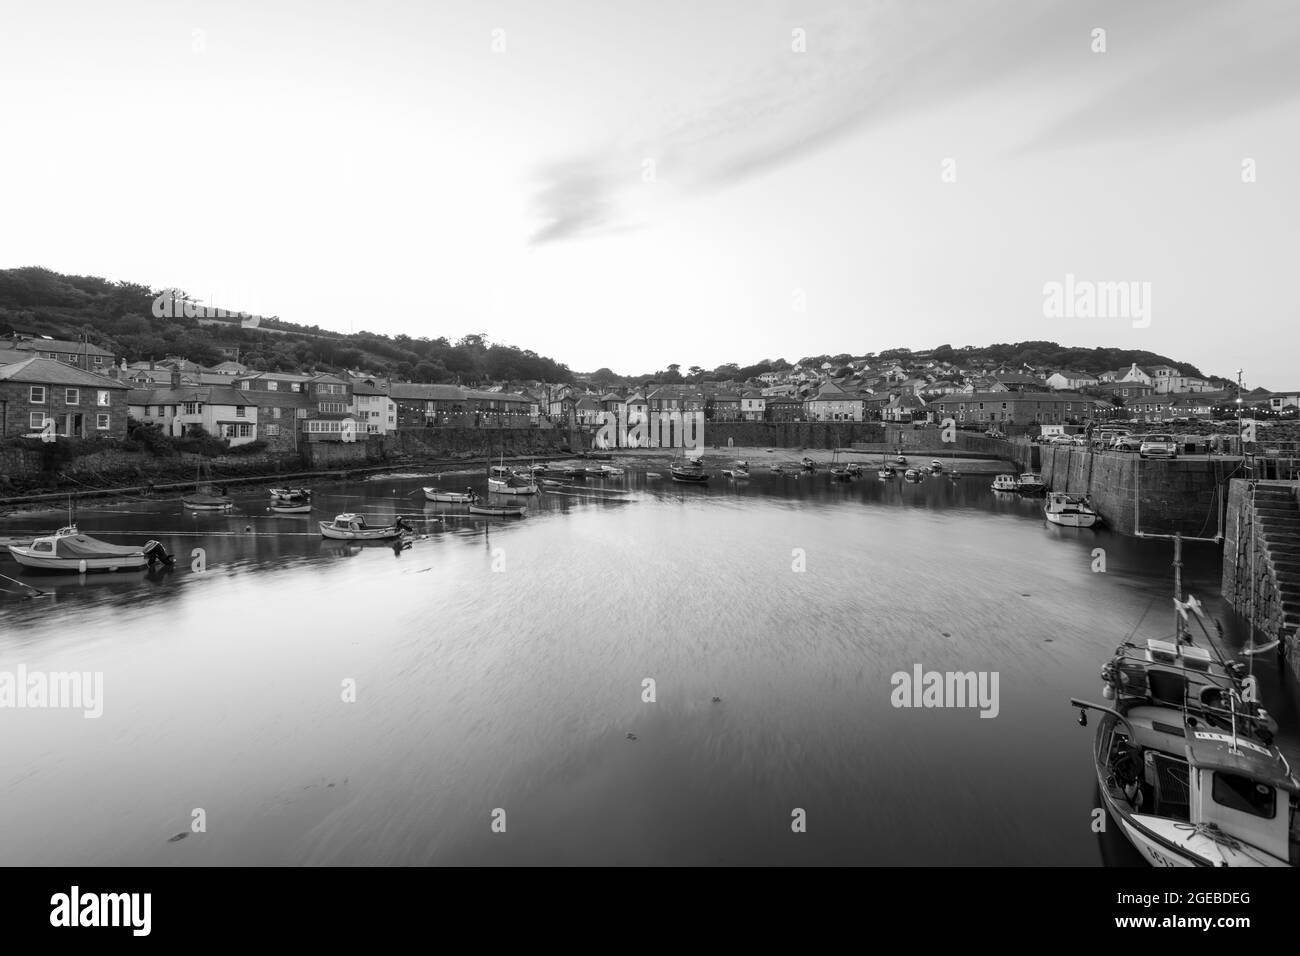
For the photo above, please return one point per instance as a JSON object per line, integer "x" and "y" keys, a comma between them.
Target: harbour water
{"x": 501, "y": 666}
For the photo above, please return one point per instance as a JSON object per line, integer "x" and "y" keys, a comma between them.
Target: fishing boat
{"x": 838, "y": 472}
{"x": 1005, "y": 483}
{"x": 690, "y": 471}
{"x": 1070, "y": 510}
{"x": 914, "y": 474}
{"x": 515, "y": 511}
{"x": 1184, "y": 753}
{"x": 71, "y": 551}
{"x": 353, "y": 527}
{"x": 1031, "y": 483}
{"x": 450, "y": 497}
{"x": 290, "y": 494}
{"x": 738, "y": 471}
{"x": 885, "y": 472}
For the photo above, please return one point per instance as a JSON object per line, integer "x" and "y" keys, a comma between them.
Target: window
{"x": 239, "y": 411}
{"x": 36, "y": 420}
{"x": 72, "y": 396}
{"x": 333, "y": 407}
{"x": 294, "y": 387}
{"x": 275, "y": 412}
{"x": 99, "y": 360}
{"x": 37, "y": 394}
{"x": 192, "y": 408}
{"x": 245, "y": 430}
{"x": 272, "y": 386}
{"x": 1244, "y": 795}
{"x": 246, "y": 385}
{"x": 104, "y": 400}
{"x": 101, "y": 421}
{"x": 302, "y": 413}
{"x": 272, "y": 430}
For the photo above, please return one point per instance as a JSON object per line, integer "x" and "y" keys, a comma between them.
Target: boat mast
{"x": 1178, "y": 590}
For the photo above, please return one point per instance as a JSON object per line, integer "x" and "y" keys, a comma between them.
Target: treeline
{"x": 120, "y": 317}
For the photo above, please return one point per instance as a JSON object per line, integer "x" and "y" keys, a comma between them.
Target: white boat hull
{"x": 287, "y": 509}
{"x": 500, "y": 487}
{"x": 127, "y": 562}
{"x": 449, "y": 497}
{"x": 368, "y": 534}
{"x": 1072, "y": 519}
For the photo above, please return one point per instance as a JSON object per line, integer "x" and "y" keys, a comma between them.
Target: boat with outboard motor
{"x": 70, "y": 550}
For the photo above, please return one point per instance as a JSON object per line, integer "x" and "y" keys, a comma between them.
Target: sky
{"x": 632, "y": 184}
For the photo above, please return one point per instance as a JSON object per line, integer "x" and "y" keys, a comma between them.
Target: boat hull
{"x": 499, "y": 487}
{"x": 366, "y": 534}
{"x": 691, "y": 479}
{"x": 449, "y": 497}
{"x": 287, "y": 509}
{"x": 496, "y": 512}
{"x": 1069, "y": 519}
{"x": 207, "y": 503}
{"x": 38, "y": 562}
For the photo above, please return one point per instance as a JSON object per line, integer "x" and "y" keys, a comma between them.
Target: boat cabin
{"x": 350, "y": 522}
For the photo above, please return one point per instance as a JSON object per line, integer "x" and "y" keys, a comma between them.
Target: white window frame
{"x": 75, "y": 394}
{"x": 103, "y": 421}
{"x": 31, "y": 394}
{"x": 36, "y": 420}
{"x": 104, "y": 399}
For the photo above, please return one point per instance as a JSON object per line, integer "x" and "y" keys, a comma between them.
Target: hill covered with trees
{"x": 121, "y": 317}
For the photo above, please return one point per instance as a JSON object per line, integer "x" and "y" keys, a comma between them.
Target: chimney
{"x": 176, "y": 377}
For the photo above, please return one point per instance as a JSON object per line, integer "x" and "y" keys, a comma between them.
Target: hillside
{"x": 120, "y": 316}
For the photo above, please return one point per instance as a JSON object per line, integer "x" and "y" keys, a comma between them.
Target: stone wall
{"x": 791, "y": 434}
{"x": 1156, "y": 496}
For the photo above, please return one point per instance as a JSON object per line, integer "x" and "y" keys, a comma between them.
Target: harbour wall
{"x": 791, "y": 434}
{"x": 1261, "y": 559}
{"x": 1154, "y": 496}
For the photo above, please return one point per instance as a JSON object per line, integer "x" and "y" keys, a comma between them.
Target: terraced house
{"x": 1019, "y": 407}
{"x": 90, "y": 358}
{"x": 424, "y": 406}
{"x": 81, "y": 404}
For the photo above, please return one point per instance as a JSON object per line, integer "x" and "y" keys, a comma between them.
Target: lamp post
{"x": 1241, "y": 447}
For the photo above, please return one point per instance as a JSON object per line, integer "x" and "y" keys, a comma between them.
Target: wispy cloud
{"x": 1169, "y": 63}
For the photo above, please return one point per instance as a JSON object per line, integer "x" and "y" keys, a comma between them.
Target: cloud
{"x": 1169, "y": 62}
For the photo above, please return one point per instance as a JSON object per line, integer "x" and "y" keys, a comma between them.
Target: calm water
{"x": 516, "y": 688}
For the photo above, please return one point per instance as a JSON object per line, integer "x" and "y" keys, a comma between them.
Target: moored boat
{"x": 512, "y": 485}
{"x": 353, "y": 527}
{"x": 690, "y": 472}
{"x": 450, "y": 497}
{"x": 207, "y": 502}
{"x": 885, "y": 472}
{"x": 290, "y": 494}
{"x": 738, "y": 471}
{"x": 1031, "y": 483}
{"x": 71, "y": 551}
{"x": 1070, "y": 511}
{"x": 914, "y": 474}
{"x": 1005, "y": 483}
{"x": 808, "y": 464}
{"x": 936, "y": 467}
{"x": 1185, "y": 759}
{"x": 291, "y": 507}
{"x": 516, "y": 511}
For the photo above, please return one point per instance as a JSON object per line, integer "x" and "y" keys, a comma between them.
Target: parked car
{"x": 1158, "y": 446}
{"x": 1127, "y": 443}
{"x": 1062, "y": 440}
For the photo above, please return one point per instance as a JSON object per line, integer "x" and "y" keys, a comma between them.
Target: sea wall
{"x": 1155, "y": 496}
{"x": 1261, "y": 559}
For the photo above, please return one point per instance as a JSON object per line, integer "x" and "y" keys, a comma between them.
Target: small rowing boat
{"x": 291, "y": 507}
{"x": 450, "y": 497}
{"x": 489, "y": 511}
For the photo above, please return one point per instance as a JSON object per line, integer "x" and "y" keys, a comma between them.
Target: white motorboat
{"x": 1070, "y": 511}
{"x": 70, "y": 550}
{"x": 353, "y": 527}
{"x": 291, "y": 507}
{"x": 290, "y": 494}
{"x": 1005, "y": 483}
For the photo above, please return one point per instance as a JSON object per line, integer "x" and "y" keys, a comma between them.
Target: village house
{"x": 753, "y": 406}
{"x": 81, "y": 404}
{"x": 833, "y": 404}
{"x": 723, "y": 406}
{"x": 373, "y": 409}
{"x": 1019, "y": 407}
{"x": 220, "y": 410}
{"x": 784, "y": 408}
{"x": 1070, "y": 381}
{"x": 85, "y": 356}
{"x": 284, "y": 402}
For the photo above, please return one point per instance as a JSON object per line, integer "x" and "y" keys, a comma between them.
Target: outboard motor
{"x": 157, "y": 554}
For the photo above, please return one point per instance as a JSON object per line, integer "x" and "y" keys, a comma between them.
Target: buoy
{"x": 81, "y": 566}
